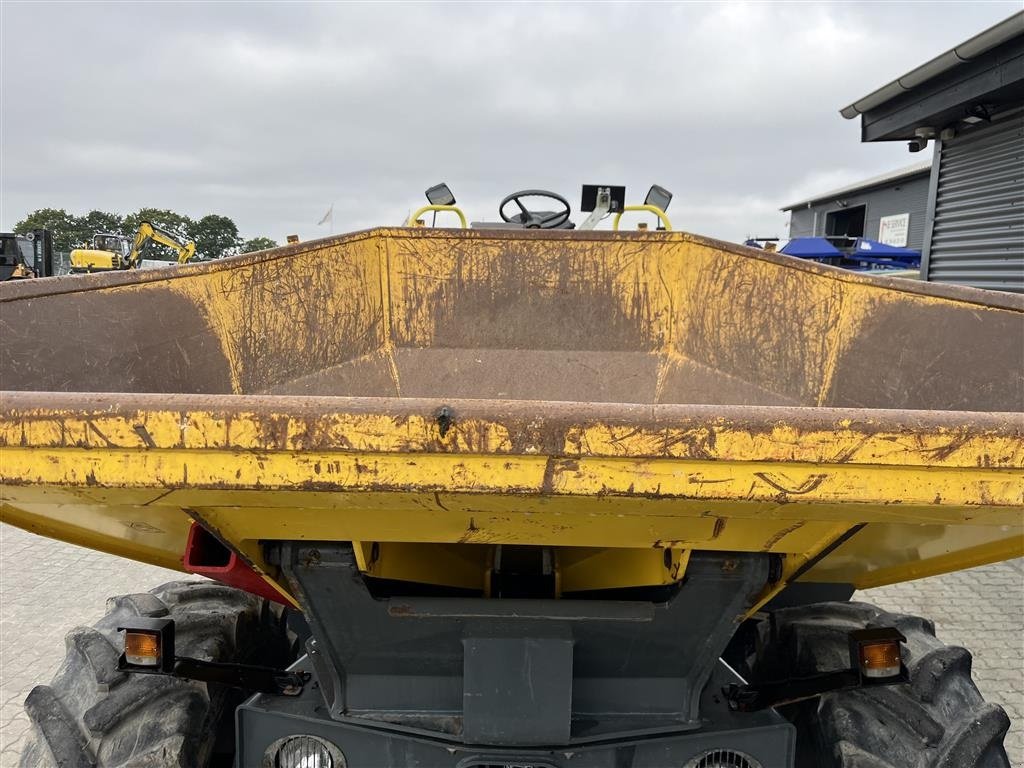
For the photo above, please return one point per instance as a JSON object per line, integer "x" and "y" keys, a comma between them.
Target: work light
{"x": 439, "y": 194}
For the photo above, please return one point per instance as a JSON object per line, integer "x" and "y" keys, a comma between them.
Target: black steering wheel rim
{"x": 530, "y": 220}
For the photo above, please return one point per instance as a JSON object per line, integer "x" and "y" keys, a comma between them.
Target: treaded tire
{"x": 938, "y": 720}
{"x": 94, "y": 716}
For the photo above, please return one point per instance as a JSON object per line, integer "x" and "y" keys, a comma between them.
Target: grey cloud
{"x": 269, "y": 113}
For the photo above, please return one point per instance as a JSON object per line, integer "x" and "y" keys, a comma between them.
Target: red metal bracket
{"x": 206, "y": 555}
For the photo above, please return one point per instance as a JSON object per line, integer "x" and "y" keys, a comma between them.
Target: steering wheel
{"x": 535, "y": 219}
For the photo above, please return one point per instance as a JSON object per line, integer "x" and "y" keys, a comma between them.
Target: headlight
{"x": 303, "y": 752}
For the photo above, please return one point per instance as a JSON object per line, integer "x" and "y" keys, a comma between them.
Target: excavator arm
{"x": 150, "y": 233}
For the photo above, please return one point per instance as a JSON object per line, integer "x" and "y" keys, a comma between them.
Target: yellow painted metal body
{"x": 93, "y": 260}
{"x": 624, "y": 399}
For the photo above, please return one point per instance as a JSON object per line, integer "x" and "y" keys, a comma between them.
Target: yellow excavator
{"x": 109, "y": 251}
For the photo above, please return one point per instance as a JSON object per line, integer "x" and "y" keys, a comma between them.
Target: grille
{"x": 723, "y": 758}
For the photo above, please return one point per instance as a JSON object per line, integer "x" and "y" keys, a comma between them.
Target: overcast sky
{"x": 269, "y": 113}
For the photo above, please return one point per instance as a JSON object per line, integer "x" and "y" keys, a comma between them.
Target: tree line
{"x": 215, "y": 236}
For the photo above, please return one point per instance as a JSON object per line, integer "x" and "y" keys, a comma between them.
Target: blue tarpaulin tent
{"x": 810, "y": 248}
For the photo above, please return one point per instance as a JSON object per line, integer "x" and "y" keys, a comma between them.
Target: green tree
{"x": 257, "y": 244}
{"x": 161, "y": 217}
{"x": 101, "y": 221}
{"x": 67, "y": 230}
{"x": 215, "y": 237}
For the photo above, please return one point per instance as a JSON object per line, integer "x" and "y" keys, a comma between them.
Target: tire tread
{"x": 94, "y": 716}
{"x": 938, "y": 720}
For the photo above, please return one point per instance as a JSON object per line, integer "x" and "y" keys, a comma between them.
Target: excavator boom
{"x": 150, "y": 233}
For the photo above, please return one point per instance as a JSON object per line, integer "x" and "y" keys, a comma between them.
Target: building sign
{"x": 892, "y": 230}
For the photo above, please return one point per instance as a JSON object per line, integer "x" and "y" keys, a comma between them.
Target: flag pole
{"x": 328, "y": 219}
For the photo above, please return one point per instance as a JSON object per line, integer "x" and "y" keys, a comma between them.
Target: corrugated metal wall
{"x": 801, "y": 222}
{"x": 977, "y": 235}
{"x": 904, "y": 196}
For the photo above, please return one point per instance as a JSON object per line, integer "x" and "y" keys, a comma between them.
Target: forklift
{"x": 26, "y": 256}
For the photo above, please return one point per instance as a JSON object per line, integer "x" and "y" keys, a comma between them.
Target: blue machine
{"x": 859, "y": 254}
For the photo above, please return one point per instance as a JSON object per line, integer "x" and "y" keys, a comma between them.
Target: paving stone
{"x": 47, "y": 588}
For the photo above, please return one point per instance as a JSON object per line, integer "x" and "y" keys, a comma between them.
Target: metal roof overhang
{"x": 988, "y": 69}
{"x": 882, "y": 180}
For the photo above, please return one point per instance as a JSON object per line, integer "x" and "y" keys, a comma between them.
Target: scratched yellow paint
{"x": 949, "y": 493}
{"x": 257, "y": 492}
{"x": 716, "y": 438}
{"x": 254, "y": 310}
{"x": 933, "y": 498}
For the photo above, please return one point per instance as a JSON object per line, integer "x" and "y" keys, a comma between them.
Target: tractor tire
{"x": 94, "y": 716}
{"x": 937, "y": 720}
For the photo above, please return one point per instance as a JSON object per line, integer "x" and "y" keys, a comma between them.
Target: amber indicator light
{"x": 142, "y": 648}
{"x": 880, "y": 659}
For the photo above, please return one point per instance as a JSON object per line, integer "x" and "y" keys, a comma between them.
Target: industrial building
{"x": 890, "y": 208}
{"x": 968, "y": 106}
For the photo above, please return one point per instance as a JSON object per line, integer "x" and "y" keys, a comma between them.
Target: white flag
{"x": 329, "y": 216}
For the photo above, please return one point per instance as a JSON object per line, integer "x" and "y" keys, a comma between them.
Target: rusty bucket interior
{"x": 575, "y": 317}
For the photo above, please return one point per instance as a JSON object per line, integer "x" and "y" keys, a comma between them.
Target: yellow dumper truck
{"x": 514, "y": 495}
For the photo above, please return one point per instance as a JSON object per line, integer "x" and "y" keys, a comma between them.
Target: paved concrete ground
{"x": 46, "y": 588}
{"x": 981, "y": 609}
